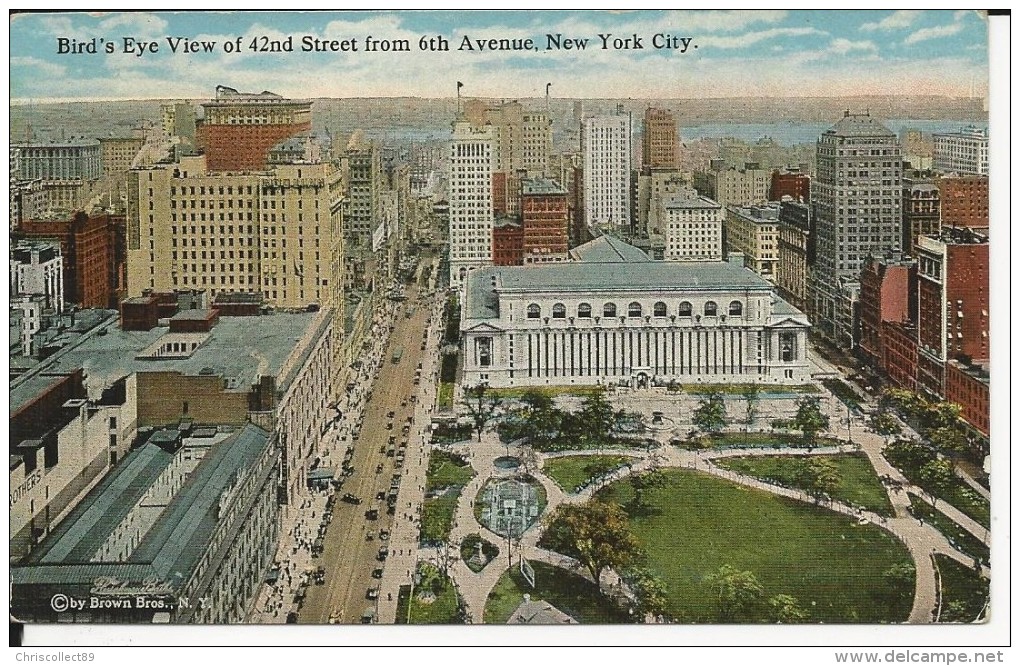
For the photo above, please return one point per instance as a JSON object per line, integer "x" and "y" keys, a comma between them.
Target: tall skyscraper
{"x": 238, "y": 129}
{"x": 606, "y": 150}
{"x": 470, "y": 187}
{"x": 660, "y": 143}
{"x": 364, "y": 175}
{"x": 857, "y": 202}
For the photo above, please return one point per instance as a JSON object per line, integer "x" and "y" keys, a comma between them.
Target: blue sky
{"x": 776, "y": 53}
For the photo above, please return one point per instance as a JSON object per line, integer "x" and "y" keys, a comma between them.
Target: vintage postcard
{"x": 500, "y": 317}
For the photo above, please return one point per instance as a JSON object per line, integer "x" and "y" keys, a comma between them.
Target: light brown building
{"x": 660, "y": 144}
{"x": 794, "y": 224}
{"x": 754, "y": 230}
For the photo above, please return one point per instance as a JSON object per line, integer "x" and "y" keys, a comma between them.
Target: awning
{"x": 320, "y": 474}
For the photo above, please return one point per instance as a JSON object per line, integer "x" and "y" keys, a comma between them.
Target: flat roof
{"x": 608, "y": 249}
{"x": 691, "y": 202}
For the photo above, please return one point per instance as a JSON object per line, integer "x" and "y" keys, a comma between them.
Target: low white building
{"x": 629, "y": 320}
{"x": 693, "y": 228}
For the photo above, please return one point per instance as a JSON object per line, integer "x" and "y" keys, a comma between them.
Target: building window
{"x": 686, "y": 309}
{"x": 634, "y": 309}
{"x": 609, "y": 310}
{"x": 736, "y": 308}
{"x": 534, "y": 311}
{"x": 659, "y": 309}
{"x": 711, "y": 309}
{"x": 559, "y": 311}
{"x": 584, "y": 311}
{"x": 788, "y": 347}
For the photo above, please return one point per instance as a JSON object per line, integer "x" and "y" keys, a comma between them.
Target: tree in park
{"x": 785, "y": 609}
{"x": 950, "y": 441}
{"x": 595, "y": 533}
{"x": 819, "y": 477}
{"x": 481, "y": 405}
{"x": 884, "y": 422}
{"x": 641, "y": 483}
{"x": 751, "y": 393}
{"x": 936, "y": 477}
{"x": 540, "y": 419}
{"x": 649, "y": 590}
{"x": 908, "y": 454}
{"x": 597, "y": 420}
{"x": 737, "y": 591}
{"x": 598, "y": 468}
{"x": 810, "y": 420}
{"x": 710, "y": 416}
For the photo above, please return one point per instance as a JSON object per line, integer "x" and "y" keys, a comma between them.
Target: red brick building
{"x": 964, "y": 201}
{"x": 790, "y": 182}
{"x": 952, "y": 302}
{"x": 238, "y": 129}
{"x": 899, "y": 353}
{"x": 93, "y": 250}
{"x": 921, "y": 206}
{"x": 508, "y": 242}
{"x": 546, "y": 220}
{"x": 967, "y": 386}
{"x": 886, "y": 296}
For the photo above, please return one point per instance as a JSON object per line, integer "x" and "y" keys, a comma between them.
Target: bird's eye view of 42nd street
{"x": 526, "y": 318}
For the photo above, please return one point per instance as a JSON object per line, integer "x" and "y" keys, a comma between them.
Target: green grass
{"x": 570, "y": 593}
{"x": 961, "y": 496}
{"x": 833, "y": 566}
{"x": 444, "y": 610}
{"x": 469, "y": 546}
{"x": 446, "y": 470}
{"x": 841, "y": 390}
{"x": 964, "y": 591}
{"x": 738, "y": 389}
{"x": 568, "y": 471}
{"x": 961, "y": 539}
{"x": 763, "y": 440}
{"x": 516, "y": 392}
{"x": 437, "y": 518}
{"x": 860, "y": 485}
{"x": 445, "y": 398}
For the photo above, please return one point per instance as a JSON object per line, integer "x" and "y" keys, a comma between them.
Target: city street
{"x": 353, "y": 541}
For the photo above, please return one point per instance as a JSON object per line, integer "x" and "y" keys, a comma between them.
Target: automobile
{"x": 389, "y": 426}
{"x": 369, "y": 535}
{"x": 378, "y": 468}
{"x": 381, "y": 495}
{"x": 383, "y": 553}
{"x": 393, "y": 438}
{"x": 390, "y": 452}
{"x": 351, "y": 499}
{"x": 384, "y": 535}
{"x": 399, "y": 464}
{"x": 406, "y": 429}
{"x": 377, "y": 573}
{"x": 382, "y": 449}
{"x": 403, "y": 403}
{"x": 291, "y": 617}
{"x": 372, "y": 514}
{"x": 372, "y": 593}
{"x": 390, "y": 414}
{"x": 368, "y": 617}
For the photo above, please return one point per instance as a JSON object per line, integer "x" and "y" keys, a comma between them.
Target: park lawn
{"x": 859, "y": 484}
{"x": 961, "y": 496}
{"x": 444, "y": 471}
{"x": 444, "y": 610}
{"x": 964, "y": 591}
{"x": 570, "y": 593}
{"x": 832, "y": 565}
{"x": 516, "y": 392}
{"x": 568, "y": 471}
{"x": 774, "y": 440}
{"x": 437, "y": 517}
{"x": 445, "y": 398}
{"x": 961, "y": 539}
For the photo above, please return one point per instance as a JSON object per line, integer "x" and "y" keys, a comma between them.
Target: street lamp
{"x": 849, "y": 435}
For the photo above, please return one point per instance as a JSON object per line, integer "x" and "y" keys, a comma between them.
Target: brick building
{"x": 921, "y": 206}
{"x": 508, "y": 242}
{"x": 93, "y": 251}
{"x": 793, "y": 182}
{"x": 964, "y": 201}
{"x": 238, "y": 129}
{"x": 967, "y": 385}
{"x": 886, "y": 296}
{"x": 545, "y": 217}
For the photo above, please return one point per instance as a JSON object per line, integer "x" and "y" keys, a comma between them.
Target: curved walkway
{"x": 921, "y": 540}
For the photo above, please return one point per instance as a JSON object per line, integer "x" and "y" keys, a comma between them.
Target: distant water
{"x": 792, "y": 133}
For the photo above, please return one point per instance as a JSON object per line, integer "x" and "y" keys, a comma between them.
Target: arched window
{"x": 711, "y": 309}
{"x": 609, "y": 310}
{"x": 686, "y": 310}
{"x": 736, "y": 308}
{"x": 634, "y": 309}
{"x": 559, "y": 311}
{"x": 584, "y": 311}
{"x": 659, "y": 310}
{"x": 534, "y": 311}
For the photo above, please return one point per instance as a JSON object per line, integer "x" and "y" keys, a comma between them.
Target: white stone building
{"x": 964, "y": 152}
{"x": 470, "y": 190}
{"x": 693, "y": 228}
{"x": 629, "y": 321}
{"x": 606, "y": 150}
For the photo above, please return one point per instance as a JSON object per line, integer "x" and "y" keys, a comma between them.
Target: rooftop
{"x": 691, "y": 202}
{"x": 767, "y": 214}
{"x": 534, "y": 186}
{"x": 177, "y": 535}
{"x": 608, "y": 248}
{"x": 859, "y": 124}
{"x": 484, "y": 284}
{"x": 72, "y": 142}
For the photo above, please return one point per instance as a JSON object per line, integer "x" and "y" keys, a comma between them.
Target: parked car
{"x": 372, "y": 514}
{"x": 351, "y": 499}
{"x": 372, "y": 593}
{"x": 383, "y": 553}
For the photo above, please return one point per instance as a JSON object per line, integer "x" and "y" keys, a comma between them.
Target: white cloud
{"x": 43, "y": 67}
{"x": 750, "y": 38}
{"x": 903, "y": 18}
{"x": 135, "y": 25}
{"x": 935, "y": 32}
{"x": 842, "y": 45}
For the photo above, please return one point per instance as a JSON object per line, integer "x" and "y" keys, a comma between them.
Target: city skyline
{"x": 733, "y": 54}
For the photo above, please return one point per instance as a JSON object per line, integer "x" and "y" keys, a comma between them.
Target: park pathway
{"x": 922, "y": 541}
